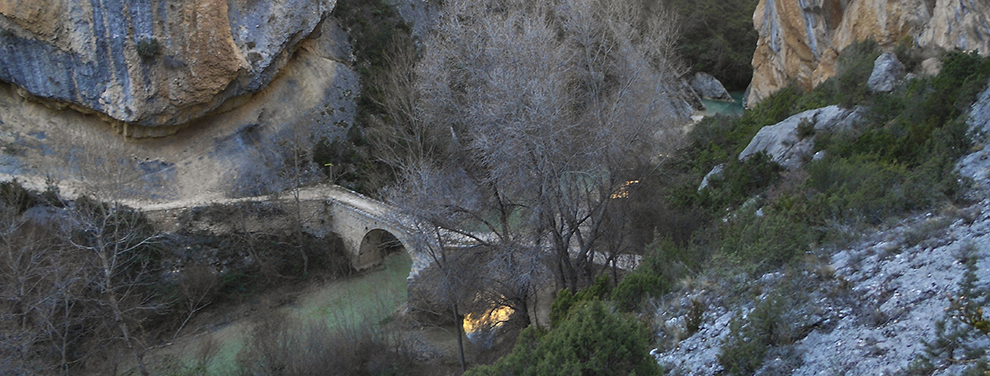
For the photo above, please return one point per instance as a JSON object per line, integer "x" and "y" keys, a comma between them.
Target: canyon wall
{"x": 149, "y": 66}
{"x": 800, "y": 40}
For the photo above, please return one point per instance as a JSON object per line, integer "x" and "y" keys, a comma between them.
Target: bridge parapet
{"x": 369, "y": 228}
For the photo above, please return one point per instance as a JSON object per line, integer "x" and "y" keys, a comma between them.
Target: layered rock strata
{"x": 150, "y": 66}
{"x": 800, "y": 40}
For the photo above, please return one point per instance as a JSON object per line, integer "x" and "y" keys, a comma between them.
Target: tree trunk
{"x": 459, "y": 321}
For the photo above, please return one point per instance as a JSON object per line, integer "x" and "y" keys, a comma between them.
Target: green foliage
{"x": 651, "y": 218}
{"x": 148, "y": 48}
{"x": 375, "y": 30}
{"x": 663, "y": 264}
{"x": 718, "y": 37}
{"x": 561, "y": 306}
{"x": 764, "y": 241}
{"x": 901, "y": 160}
{"x": 51, "y": 196}
{"x": 805, "y": 129}
{"x": 960, "y": 337}
{"x": 862, "y": 190}
{"x": 906, "y": 53}
{"x": 720, "y": 139}
{"x": 591, "y": 341}
{"x": 852, "y": 72}
{"x": 751, "y": 336}
{"x": 739, "y": 181}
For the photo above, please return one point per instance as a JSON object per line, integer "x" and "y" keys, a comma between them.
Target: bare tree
{"x": 549, "y": 107}
{"x": 40, "y": 284}
{"x": 440, "y": 210}
{"x": 198, "y": 286}
{"x": 119, "y": 246}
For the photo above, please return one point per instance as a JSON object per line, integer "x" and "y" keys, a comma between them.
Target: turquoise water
{"x": 734, "y": 108}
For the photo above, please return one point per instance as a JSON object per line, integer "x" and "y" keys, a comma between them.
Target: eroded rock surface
{"x": 150, "y": 63}
{"x": 244, "y": 150}
{"x": 887, "y": 71}
{"x": 801, "y": 40}
{"x": 791, "y": 141}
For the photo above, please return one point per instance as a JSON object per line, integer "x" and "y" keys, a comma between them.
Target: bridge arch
{"x": 375, "y": 245}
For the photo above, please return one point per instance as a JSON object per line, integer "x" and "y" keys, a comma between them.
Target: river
{"x": 734, "y": 108}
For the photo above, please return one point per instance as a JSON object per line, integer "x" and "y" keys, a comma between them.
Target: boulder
{"x": 150, "y": 64}
{"x": 714, "y": 173}
{"x": 887, "y": 71}
{"x": 786, "y": 144}
{"x": 800, "y": 41}
{"x": 709, "y": 87}
{"x": 931, "y": 67}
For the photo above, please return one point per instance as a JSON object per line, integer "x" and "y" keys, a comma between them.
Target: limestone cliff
{"x": 801, "y": 39}
{"x": 155, "y": 64}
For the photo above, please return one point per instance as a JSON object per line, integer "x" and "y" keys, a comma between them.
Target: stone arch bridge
{"x": 369, "y": 228}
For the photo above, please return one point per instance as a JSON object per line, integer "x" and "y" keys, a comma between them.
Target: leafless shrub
{"x": 279, "y": 345}
{"x": 520, "y": 126}
{"x": 198, "y": 285}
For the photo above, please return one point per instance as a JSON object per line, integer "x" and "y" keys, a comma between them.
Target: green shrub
{"x": 148, "y": 48}
{"x": 769, "y": 325}
{"x": 718, "y": 37}
{"x": 960, "y": 337}
{"x": 720, "y": 139}
{"x": 664, "y": 263}
{"x": 852, "y": 72}
{"x": 591, "y": 341}
{"x": 739, "y": 182}
{"x": 376, "y": 30}
{"x": 805, "y": 129}
{"x": 859, "y": 190}
{"x": 15, "y": 197}
{"x": 561, "y": 306}
{"x": 758, "y": 242}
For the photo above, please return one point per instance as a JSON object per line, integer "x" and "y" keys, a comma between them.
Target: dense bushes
{"x": 718, "y": 37}
{"x": 590, "y": 341}
{"x": 760, "y": 241}
{"x": 901, "y": 160}
{"x": 661, "y": 266}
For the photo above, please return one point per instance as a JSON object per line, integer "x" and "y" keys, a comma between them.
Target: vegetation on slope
{"x": 717, "y": 37}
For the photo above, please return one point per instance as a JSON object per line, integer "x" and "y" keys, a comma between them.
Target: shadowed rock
{"x": 709, "y": 87}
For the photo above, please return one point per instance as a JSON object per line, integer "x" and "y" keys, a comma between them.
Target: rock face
{"x": 976, "y": 165}
{"x": 150, "y": 63}
{"x": 709, "y": 87}
{"x": 800, "y": 40}
{"x": 243, "y": 150}
{"x": 887, "y": 71}
{"x": 786, "y": 144}
{"x": 893, "y": 291}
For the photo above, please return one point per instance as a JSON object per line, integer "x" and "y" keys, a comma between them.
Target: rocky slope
{"x": 865, "y": 308}
{"x": 801, "y": 40}
{"x": 150, "y": 64}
